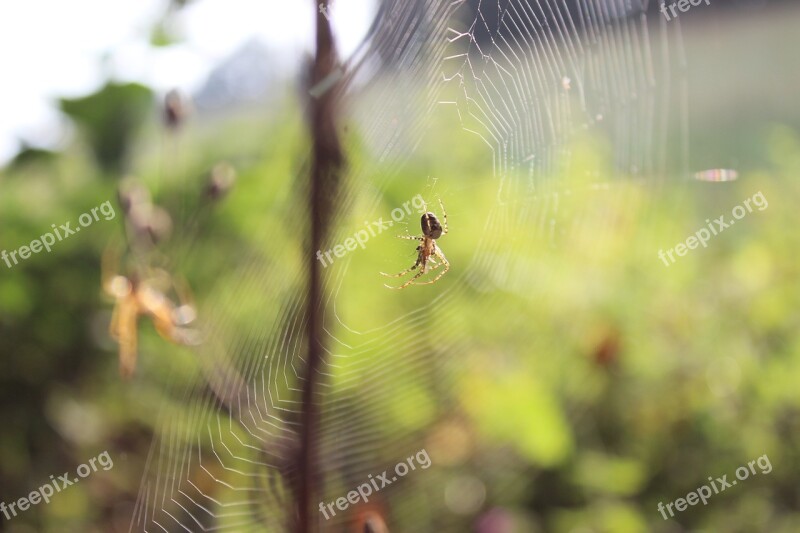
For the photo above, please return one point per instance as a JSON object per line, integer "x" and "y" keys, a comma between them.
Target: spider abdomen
{"x": 431, "y": 226}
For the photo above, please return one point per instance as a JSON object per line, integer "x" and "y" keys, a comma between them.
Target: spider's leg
{"x": 446, "y": 264}
{"x": 401, "y": 274}
{"x": 410, "y": 237}
{"x": 404, "y": 272}
{"x": 431, "y": 269}
{"x": 409, "y": 282}
{"x": 444, "y": 217}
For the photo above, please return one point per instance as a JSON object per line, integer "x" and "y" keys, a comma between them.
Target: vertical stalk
{"x": 327, "y": 162}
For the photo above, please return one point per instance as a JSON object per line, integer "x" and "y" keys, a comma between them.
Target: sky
{"x": 53, "y": 48}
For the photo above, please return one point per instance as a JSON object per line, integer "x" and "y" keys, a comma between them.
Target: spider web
{"x": 522, "y": 80}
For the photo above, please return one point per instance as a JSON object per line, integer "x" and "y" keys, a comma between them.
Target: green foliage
{"x": 587, "y": 380}
{"x": 109, "y": 119}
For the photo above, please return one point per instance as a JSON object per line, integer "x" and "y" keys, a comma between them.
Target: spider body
{"x": 430, "y": 226}
{"x": 427, "y": 250}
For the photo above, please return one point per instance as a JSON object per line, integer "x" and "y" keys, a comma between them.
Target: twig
{"x": 327, "y": 162}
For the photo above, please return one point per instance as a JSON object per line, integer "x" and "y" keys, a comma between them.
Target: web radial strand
{"x": 523, "y": 76}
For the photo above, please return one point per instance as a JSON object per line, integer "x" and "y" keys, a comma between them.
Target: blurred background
{"x": 561, "y": 377}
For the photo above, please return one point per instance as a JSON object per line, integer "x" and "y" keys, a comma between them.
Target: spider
{"x": 426, "y": 251}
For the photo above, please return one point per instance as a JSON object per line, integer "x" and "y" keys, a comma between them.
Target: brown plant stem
{"x": 327, "y": 162}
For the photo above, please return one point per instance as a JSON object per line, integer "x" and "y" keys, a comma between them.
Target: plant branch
{"x": 327, "y": 162}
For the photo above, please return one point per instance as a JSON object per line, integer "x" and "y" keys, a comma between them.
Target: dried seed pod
{"x": 220, "y": 180}
{"x": 375, "y": 524}
{"x": 131, "y": 194}
{"x": 156, "y": 222}
{"x": 145, "y": 222}
{"x": 176, "y": 109}
{"x": 369, "y": 518}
